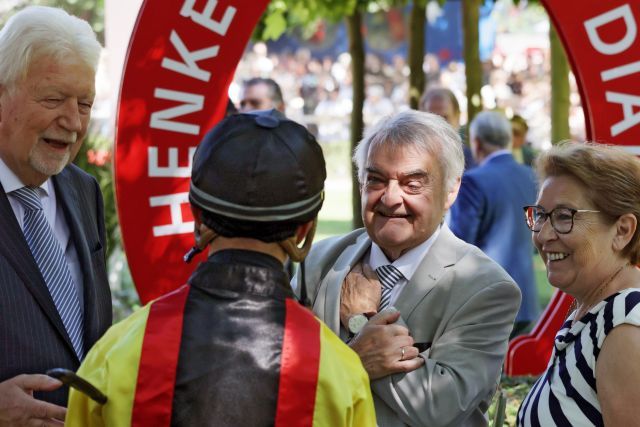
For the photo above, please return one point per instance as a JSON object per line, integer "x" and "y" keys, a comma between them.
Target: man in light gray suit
{"x": 435, "y": 359}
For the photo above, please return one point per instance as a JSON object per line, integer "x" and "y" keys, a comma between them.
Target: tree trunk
{"x": 472, "y": 66}
{"x": 416, "y": 53}
{"x": 560, "y": 91}
{"x": 356, "y": 49}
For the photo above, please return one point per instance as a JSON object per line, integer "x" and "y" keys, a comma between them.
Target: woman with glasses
{"x": 585, "y": 227}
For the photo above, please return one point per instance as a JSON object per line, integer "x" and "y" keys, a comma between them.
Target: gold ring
{"x": 401, "y": 353}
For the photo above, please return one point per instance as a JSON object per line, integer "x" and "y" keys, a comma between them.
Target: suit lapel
{"x": 332, "y": 283}
{"x": 15, "y": 249}
{"x": 442, "y": 255}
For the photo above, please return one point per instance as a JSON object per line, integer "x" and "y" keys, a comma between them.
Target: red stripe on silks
{"x": 298, "y": 367}
{"x": 158, "y": 361}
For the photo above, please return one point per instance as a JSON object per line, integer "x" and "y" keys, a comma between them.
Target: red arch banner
{"x": 181, "y": 60}
{"x": 603, "y": 45}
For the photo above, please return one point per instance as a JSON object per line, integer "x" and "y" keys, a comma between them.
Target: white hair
{"x": 425, "y": 131}
{"x": 40, "y": 31}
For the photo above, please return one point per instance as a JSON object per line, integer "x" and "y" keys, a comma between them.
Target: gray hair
{"x": 491, "y": 127}
{"x": 427, "y": 132}
{"x": 40, "y": 31}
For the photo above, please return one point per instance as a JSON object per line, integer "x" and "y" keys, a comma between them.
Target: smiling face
{"x": 44, "y": 117}
{"x": 403, "y": 201}
{"x": 582, "y": 259}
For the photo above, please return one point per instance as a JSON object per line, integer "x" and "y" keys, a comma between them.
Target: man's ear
{"x": 452, "y": 194}
{"x": 303, "y": 230}
{"x": 626, "y": 227}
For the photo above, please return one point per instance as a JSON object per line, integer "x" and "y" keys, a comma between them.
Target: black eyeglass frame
{"x": 549, "y": 216}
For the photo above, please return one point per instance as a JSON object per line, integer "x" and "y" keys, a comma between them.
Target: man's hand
{"x": 19, "y": 408}
{"x": 360, "y": 293}
{"x": 385, "y": 348}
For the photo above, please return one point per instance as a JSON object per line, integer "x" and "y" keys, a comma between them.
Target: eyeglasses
{"x": 561, "y": 218}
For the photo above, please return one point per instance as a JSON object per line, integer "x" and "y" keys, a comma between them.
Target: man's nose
{"x": 393, "y": 194}
{"x": 70, "y": 116}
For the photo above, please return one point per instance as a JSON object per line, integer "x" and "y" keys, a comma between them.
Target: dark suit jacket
{"x": 32, "y": 336}
{"x": 488, "y": 214}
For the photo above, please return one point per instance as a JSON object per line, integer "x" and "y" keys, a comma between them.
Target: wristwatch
{"x": 357, "y": 322}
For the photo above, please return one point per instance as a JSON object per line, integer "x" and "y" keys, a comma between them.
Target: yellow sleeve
{"x": 112, "y": 367}
{"x": 343, "y": 396}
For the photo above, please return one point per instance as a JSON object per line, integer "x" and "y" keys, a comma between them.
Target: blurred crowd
{"x": 318, "y": 91}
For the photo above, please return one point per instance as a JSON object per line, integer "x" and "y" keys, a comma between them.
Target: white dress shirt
{"x": 55, "y": 217}
{"x": 407, "y": 263}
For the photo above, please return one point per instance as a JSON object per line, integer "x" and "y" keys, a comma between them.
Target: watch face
{"x": 357, "y": 322}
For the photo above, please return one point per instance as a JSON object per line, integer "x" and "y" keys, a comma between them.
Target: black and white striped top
{"x": 566, "y": 394}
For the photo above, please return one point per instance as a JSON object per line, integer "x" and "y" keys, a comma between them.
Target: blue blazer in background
{"x": 488, "y": 213}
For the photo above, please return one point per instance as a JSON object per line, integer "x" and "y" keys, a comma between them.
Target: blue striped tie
{"x": 389, "y": 277}
{"x": 52, "y": 264}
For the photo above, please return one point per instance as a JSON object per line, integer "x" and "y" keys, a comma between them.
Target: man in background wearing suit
{"x": 488, "y": 211}
{"x": 54, "y": 294}
{"x": 435, "y": 360}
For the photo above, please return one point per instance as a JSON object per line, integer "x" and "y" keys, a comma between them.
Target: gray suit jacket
{"x": 32, "y": 336}
{"x": 460, "y": 303}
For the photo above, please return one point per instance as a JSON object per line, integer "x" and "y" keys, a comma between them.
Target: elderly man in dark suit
{"x": 436, "y": 359}
{"x": 54, "y": 295}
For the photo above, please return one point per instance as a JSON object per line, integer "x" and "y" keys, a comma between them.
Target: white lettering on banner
{"x": 172, "y": 170}
{"x": 189, "y": 66}
{"x": 204, "y": 18}
{"x": 621, "y": 71}
{"x": 192, "y": 104}
{"x": 624, "y": 15}
{"x": 622, "y": 12}
{"x": 188, "y": 63}
{"x": 628, "y": 103}
{"x": 177, "y": 226}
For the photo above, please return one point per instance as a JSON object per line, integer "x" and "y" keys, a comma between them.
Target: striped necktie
{"x": 52, "y": 264}
{"x": 389, "y": 277}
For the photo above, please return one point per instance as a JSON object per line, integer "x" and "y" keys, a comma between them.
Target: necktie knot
{"x": 29, "y": 198}
{"x": 389, "y": 276}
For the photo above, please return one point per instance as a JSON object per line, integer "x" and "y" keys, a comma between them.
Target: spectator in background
{"x": 443, "y": 102}
{"x": 488, "y": 211}
{"x": 520, "y": 147}
{"x": 261, "y": 93}
{"x": 55, "y": 300}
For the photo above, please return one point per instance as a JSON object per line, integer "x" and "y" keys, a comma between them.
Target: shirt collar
{"x": 10, "y": 181}
{"x": 409, "y": 261}
{"x": 496, "y": 154}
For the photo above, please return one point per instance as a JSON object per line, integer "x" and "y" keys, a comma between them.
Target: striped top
{"x": 566, "y": 394}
